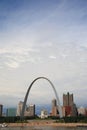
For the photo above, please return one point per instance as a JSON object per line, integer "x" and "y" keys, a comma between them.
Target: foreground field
{"x": 46, "y": 123}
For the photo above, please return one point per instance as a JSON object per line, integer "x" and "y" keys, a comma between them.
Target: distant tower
{"x": 68, "y": 99}
{"x": 68, "y": 104}
{"x": 11, "y": 112}
{"x": 30, "y": 111}
{"x": 54, "y": 103}
{"x": 1, "y": 109}
{"x": 19, "y": 108}
{"x": 54, "y": 108}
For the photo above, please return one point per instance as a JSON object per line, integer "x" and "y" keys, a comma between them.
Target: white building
{"x": 81, "y": 111}
{"x": 44, "y": 114}
{"x": 19, "y": 108}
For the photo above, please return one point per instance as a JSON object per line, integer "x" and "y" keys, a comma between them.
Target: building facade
{"x": 44, "y": 114}
{"x": 82, "y": 111}
{"x": 68, "y": 103}
{"x": 68, "y": 99}
{"x": 54, "y": 111}
{"x": 1, "y": 109}
{"x": 19, "y": 108}
{"x": 30, "y": 111}
{"x": 11, "y": 112}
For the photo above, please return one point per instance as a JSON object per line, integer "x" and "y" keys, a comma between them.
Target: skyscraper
{"x": 11, "y": 112}
{"x": 54, "y": 108}
{"x": 30, "y": 111}
{"x": 1, "y": 109}
{"x": 68, "y": 99}
{"x": 54, "y": 103}
{"x": 68, "y": 103}
{"x": 19, "y": 108}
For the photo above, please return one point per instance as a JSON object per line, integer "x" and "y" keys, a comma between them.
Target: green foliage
{"x": 53, "y": 117}
{"x": 81, "y": 119}
{"x": 59, "y": 121}
{"x": 9, "y": 119}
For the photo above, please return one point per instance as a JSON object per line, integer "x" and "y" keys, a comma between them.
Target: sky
{"x": 43, "y": 38}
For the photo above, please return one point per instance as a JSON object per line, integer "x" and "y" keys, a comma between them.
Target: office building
{"x": 68, "y": 103}
{"x": 19, "y": 108}
{"x": 30, "y": 111}
{"x": 11, "y": 112}
{"x": 63, "y": 111}
{"x": 82, "y": 111}
{"x": 1, "y": 109}
{"x": 54, "y": 111}
{"x": 85, "y": 111}
{"x": 68, "y": 99}
{"x": 44, "y": 114}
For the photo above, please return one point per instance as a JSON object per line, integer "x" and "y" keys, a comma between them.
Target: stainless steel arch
{"x": 26, "y": 96}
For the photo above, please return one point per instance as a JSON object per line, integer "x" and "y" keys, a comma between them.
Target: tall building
{"x": 54, "y": 103}
{"x": 1, "y": 109}
{"x": 67, "y": 99}
{"x": 63, "y": 111}
{"x": 30, "y": 111}
{"x": 11, "y": 112}
{"x": 19, "y": 108}
{"x": 68, "y": 103}
{"x": 44, "y": 114}
{"x": 54, "y": 111}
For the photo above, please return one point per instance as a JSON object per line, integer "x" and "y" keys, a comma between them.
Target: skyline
{"x": 43, "y": 38}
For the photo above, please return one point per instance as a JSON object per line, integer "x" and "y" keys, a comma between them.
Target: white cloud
{"x": 16, "y": 50}
{"x": 12, "y": 64}
{"x": 52, "y": 57}
{"x": 14, "y": 56}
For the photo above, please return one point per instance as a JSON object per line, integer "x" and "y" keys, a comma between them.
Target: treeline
{"x": 78, "y": 119}
{"x": 16, "y": 119}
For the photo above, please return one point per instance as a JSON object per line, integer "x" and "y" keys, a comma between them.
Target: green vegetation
{"x": 9, "y": 119}
{"x": 16, "y": 119}
{"x": 59, "y": 121}
{"x": 79, "y": 119}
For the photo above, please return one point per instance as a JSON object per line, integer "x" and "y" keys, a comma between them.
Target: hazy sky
{"x": 43, "y": 38}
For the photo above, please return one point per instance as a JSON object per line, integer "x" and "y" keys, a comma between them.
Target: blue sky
{"x": 43, "y": 38}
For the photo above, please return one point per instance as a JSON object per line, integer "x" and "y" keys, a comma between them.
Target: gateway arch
{"x": 26, "y": 96}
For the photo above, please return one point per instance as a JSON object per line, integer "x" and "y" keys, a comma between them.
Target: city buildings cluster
{"x": 69, "y": 108}
{"x": 29, "y": 110}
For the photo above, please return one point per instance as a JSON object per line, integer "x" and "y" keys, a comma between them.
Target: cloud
{"x": 12, "y": 64}
{"x": 12, "y": 57}
{"x": 52, "y": 57}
